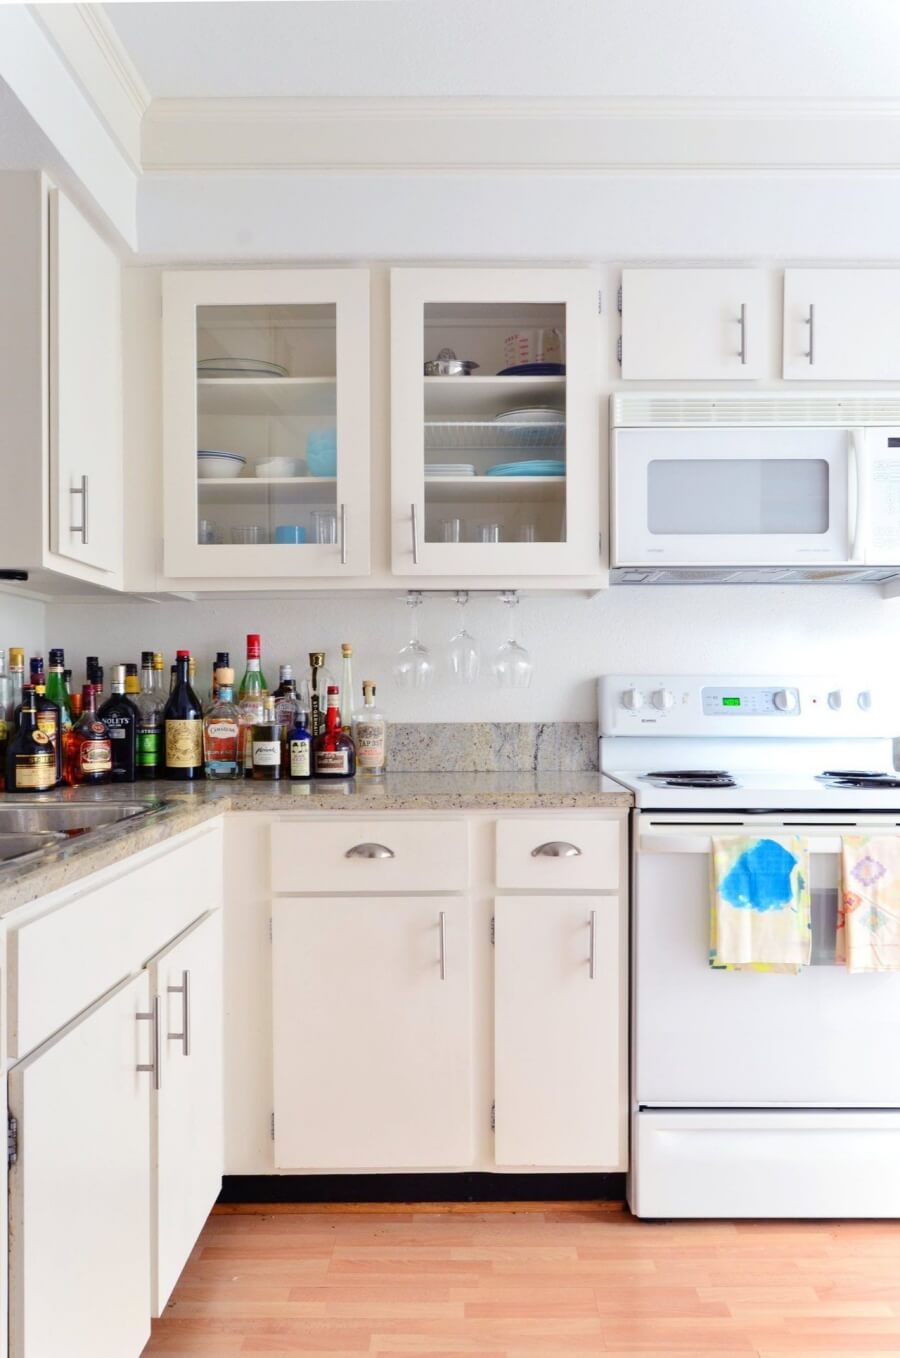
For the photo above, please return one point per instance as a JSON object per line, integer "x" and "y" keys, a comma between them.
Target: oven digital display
{"x": 731, "y": 702}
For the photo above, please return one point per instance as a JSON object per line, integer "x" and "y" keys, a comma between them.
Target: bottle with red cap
{"x": 183, "y": 726}
{"x": 251, "y": 693}
{"x": 334, "y": 753}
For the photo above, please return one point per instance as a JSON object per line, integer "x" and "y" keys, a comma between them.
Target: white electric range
{"x": 754, "y": 1094}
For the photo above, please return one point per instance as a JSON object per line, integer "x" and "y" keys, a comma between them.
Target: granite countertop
{"x": 180, "y": 806}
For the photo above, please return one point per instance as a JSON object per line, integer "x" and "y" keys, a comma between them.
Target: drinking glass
{"x": 412, "y": 665}
{"x": 248, "y": 533}
{"x": 489, "y": 532}
{"x": 463, "y": 651}
{"x": 451, "y": 530}
{"x": 512, "y": 665}
{"x": 324, "y": 523}
{"x": 206, "y": 532}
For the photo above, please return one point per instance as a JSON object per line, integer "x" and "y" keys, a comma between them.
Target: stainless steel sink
{"x": 20, "y": 846}
{"x": 67, "y": 817}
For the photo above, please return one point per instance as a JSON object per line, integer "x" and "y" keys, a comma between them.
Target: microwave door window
{"x": 738, "y": 497}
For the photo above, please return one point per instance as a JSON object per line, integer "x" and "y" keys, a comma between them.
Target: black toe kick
{"x": 463, "y": 1187}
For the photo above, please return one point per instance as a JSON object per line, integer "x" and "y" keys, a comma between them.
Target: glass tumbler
{"x": 324, "y": 526}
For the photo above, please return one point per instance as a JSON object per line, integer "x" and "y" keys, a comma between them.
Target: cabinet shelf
{"x": 266, "y": 396}
{"x": 494, "y": 489}
{"x": 472, "y": 435}
{"x": 485, "y": 397}
{"x": 258, "y": 490}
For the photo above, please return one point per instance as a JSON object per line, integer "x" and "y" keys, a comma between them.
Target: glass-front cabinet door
{"x": 495, "y": 422}
{"x": 266, "y": 398}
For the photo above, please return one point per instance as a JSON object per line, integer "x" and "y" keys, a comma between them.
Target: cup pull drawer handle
{"x": 369, "y": 851}
{"x": 556, "y": 848}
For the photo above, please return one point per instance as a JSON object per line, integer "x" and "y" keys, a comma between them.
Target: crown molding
{"x": 95, "y": 56}
{"x": 520, "y": 136}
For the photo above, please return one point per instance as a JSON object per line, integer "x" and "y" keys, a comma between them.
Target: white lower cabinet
{"x": 372, "y": 1024}
{"x": 559, "y": 1032}
{"x": 188, "y": 1107}
{"x": 80, "y": 1190}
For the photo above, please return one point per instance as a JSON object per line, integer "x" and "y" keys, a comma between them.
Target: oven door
{"x": 739, "y": 496}
{"x": 707, "y": 1038}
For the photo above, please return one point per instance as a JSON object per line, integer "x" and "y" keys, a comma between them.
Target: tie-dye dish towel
{"x": 760, "y": 903}
{"x": 868, "y": 933}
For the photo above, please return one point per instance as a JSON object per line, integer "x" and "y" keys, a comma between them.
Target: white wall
{"x": 22, "y": 624}
{"x": 846, "y": 631}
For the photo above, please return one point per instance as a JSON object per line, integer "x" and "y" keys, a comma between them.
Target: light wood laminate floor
{"x": 532, "y": 1284}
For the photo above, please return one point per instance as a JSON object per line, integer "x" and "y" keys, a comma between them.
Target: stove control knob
{"x": 663, "y": 699}
{"x": 633, "y": 699}
{"x": 836, "y": 700}
{"x": 864, "y": 700}
{"x": 785, "y": 699}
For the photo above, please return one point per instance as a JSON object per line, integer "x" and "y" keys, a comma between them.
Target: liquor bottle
{"x": 16, "y": 678}
{"x": 30, "y": 756}
{"x": 334, "y": 754}
{"x": 320, "y": 680}
{"x": 120, "y": 717}
{"x": 347, "y": 687}
{"x": 56, "y": 685}
{"x": 149, "y": 703}
{"x": 222, "y": 730}
{"x": 49, "y": 714}
{"x": 93, "y": 673}
{"x": 183, "y": 726}
{"x": 300, "y": 747}
{"x": 77, "y": 702}
{"x": 5, "y": 713}
{"x": 159, "y": 671}
{"x": 173, "y": 678}
{"x": 254, "y": 681}
{"x": 265, "y": 746}
{"x": 88, "y": 748}
{"x": 370, "y": 734}
{"x": 192, "y": 672}
{"x": 221, "y": 662}
{"x": 251, "y": 693}
{"x": 285, "y": 697}
{"x": 132, "y": 681}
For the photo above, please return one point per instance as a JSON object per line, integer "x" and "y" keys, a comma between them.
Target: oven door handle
{"x": 650, "y": 843}
{"x": 857, "y": 495}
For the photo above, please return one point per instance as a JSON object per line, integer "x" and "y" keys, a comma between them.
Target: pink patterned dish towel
{"x": 868, "y": 930}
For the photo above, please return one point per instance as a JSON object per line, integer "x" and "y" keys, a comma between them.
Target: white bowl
{"x": 216, "y": 466}
{"x": 280, "y": 467}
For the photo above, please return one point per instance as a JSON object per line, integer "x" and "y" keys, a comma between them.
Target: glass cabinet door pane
{"x": 494, "y": 438}
{"x": 267, "y": 454}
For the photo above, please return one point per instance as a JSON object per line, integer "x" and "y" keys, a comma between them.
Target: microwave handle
{"x": 857, "y": 493}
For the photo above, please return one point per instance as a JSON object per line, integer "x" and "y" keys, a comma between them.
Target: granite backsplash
{"x": 492, "y": 747}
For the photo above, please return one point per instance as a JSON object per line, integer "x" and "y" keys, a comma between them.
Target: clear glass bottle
{"x": 265, "y": 745}
{"x": 334, "y": 754}
{"x": 251, "y": 693}
{"x": 320, "y": 681}
{"x": 121, "y": 718}
{"x": 30, "y": 756}
{"x": 370, "y": 735}
{"x": 254, "y": 681}
{"x": 299, "y": 747}
{"x": 347, "y": 687}
{"x": 183, "y": 726}
{"x": 88, "y": 748}
{"x": 159, "y": 675}
{"x": 286, "y": 706}
{"x": 149, "y": 703}
{"x": 222, "y": 730}
{"x": 221, "y": 662}
{"x": 16, "y": 680}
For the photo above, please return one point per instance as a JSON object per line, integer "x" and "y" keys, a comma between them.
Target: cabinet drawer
{"x": 370, "y": 855}
{"x": 65, "y": 960}
{"x": 595, "y": 867}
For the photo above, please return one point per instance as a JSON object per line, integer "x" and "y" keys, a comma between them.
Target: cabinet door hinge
{"x": 619, "y": 350}
{"x": 599, "y": 302}
{"x": 493, "y": 1117}
{"x": 12, "y": 1141}
{"x": 619, "y": 300}
{"x": 493, "y": 929}
{"x": 270, "y": 929}
{"x": 272, "y": 1127}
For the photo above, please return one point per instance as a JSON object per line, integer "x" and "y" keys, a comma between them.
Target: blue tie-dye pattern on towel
{"x": 761, "y": 878}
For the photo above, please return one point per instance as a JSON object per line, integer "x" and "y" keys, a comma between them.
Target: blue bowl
{"x": 321, "y": 452}
{"x": 290, "y": 532}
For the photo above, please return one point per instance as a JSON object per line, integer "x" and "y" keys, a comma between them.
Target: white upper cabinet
{"x": 86, "y": 391}
{"x": 269, "y": 371}
{"x": 841, "y": 325}
{"x": 693, "y": 324}
{"x": 495, "y": 473}
{"x": 60, "y": 388}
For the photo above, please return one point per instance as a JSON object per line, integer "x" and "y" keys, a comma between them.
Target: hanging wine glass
{"x": 512, "y": 665}
{"x": 463, "y": 651}
{"x": 412, "y": 666}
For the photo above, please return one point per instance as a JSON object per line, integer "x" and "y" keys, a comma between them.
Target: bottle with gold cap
{"x": 16, "y": 679}
{"x": 347, "y": 687}
{"x": 149, "y": 703}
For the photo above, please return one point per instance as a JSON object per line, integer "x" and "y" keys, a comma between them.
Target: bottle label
{"x": 370, "y": 744}
{"x": 46, "y": 722}
{"x": 95, "y": 756}
{"x": 266, "y": 753}
{"x": 332, "y": 761}
{"x": 184, "y": 744}
{"x": 35, "y": 772}
{"x": 221, "y": 768}
{"x": 300, "y": 758}
{"x": 222, "y": 730}
{"x": 147, "y": 751}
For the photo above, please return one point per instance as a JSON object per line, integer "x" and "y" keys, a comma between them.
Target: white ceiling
{"x": 509, "y": 48}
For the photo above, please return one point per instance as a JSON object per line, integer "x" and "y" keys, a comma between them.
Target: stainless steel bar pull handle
{"x": 414, "y": 516}
{"x": 556, "y": 848}
{"x": 343, "y": 535}
{"x": 592, "y": 956}
{"x": 443, "y": 927}
{"x": 370, "y": 851}
{"x": 743, "y": 323}
{"x": 811, "y": 322}
{"x": 82, "y": 527}
{"x": 154, "y": 1067}
{"x": 184, "y": 990}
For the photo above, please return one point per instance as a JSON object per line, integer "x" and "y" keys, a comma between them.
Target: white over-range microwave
{"x": 757, "y": 487}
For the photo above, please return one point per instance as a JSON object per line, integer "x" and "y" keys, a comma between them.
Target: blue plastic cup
{"x": 290, "y": 532}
